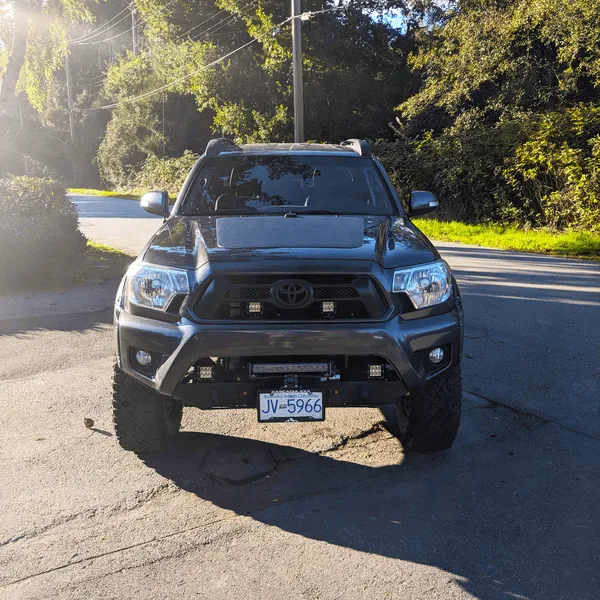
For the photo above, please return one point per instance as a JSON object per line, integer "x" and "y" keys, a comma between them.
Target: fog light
{"x": 437, "y": 355}
{"x": 205, "y": 372}
{"x": 328, "y": 308}
{"x": 143, "y": 358}
{"x": 376, "y": 371}
{"x": 254, "y": 308}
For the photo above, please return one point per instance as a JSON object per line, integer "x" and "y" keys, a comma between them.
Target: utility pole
{"x": 297, "y": 72}
{"x": 70, "y": 97}
{"x": 133, "y": 34}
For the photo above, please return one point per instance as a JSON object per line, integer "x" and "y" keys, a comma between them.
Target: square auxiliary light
{"x": 375, "y": 371}
{"x": 255, "y": 308}
{"x": 205, "y": 372}
{"x": 328, "y": 308}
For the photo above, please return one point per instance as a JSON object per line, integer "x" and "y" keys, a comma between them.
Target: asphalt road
{"x": 241, "y": 510}
{"x": 121, "y": 224}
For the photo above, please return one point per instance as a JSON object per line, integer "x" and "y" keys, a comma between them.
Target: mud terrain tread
{"x": 139, "y": 418}
{"x": 434, "y": 415}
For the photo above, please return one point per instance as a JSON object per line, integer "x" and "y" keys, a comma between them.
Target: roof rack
{"x": 218, "y": 145}
{"x": 361, "y": 147}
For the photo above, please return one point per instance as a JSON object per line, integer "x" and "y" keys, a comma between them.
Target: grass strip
{"x": 585, "y": 245}
{"x": 101, "y": 263}
{"x": 124, "y": 195}
{"x": 95, "y": 247}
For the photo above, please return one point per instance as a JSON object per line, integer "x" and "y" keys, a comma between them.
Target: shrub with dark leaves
{"x": 39, "y": 236}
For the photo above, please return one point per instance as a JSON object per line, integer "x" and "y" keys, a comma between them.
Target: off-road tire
{"x": 429, "y": 419}
{"x": 143, "y": 419}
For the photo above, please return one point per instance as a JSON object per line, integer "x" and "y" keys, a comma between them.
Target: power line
{"x": 140, "y": 22}
{"x": 106, "y": 39}
{"x": 201, "y": 34}
{"x": 228, "y": 18}
{"x": 304, "y": 17}
{"x": 174, "y": 82}
{"x": 200, "y": 24}
{"x": 93, "y": 33}
{"x": 211, "y": 30}
{"x": 86, "y": 40}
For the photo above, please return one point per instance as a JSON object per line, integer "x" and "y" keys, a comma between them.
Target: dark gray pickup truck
{"x": 288, "y": 279}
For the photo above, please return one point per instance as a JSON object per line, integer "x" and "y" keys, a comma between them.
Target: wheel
{"x": 429, "y": 419}
{"x": 143, "y": 419}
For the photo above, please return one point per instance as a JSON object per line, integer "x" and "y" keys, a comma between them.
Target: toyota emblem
{"x": 292, "y": 294}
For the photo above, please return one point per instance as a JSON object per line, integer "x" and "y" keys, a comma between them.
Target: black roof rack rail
{"x": 218, "y": 145}
{"x": 361, "y": 147}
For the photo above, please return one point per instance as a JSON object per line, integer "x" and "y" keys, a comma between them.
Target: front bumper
{"x": 404, "y": 343}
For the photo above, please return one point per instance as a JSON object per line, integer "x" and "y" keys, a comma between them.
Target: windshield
{"x": 237, "y": 184}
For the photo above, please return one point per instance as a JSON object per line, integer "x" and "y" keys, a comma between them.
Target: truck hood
{"x": 190, "y": 242}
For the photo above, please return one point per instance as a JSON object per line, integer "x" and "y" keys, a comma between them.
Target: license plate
{"x": 290, "y": 406}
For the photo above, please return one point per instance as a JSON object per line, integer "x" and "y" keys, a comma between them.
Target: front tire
{"x": 143, "y": 419}
{"x": 429, "y": 419}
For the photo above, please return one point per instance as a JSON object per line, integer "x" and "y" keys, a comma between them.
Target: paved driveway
{"x": 121, "y": 224}
{"x": 240, "y": 510}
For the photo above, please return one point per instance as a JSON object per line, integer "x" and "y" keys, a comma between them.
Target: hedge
{"x": 538, "y": 170}
{"x": 40, "y": 240}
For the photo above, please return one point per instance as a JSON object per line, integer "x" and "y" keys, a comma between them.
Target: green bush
{"x": 532, "y": 171}
{"x": 168, "y": 174}
{"x": 554, "y": 177}
{"x": 39, "y": 236}
{"x": 463, "y": 165}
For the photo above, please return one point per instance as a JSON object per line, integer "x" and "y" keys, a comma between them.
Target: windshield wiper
{"x": 218, "y": 213}
{"x": 321, "y": 211}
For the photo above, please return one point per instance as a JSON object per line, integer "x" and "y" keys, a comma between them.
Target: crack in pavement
{"x": 143, "y": 496}
{"x": 540, "y": 416}
{"x": 146, "y": 563}
{"x": 293, "y": 498}
{"x": 237, "y": 469}
{"x": 343, "y": 440}
{"x": 140, "y": 497}
{"x": 117, "y": 550}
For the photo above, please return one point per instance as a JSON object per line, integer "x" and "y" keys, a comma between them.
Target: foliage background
{"x": 493, "y": 104}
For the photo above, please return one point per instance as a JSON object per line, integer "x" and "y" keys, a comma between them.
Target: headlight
{"x": 155, "y": 287}
{"x": 425, "y": 285}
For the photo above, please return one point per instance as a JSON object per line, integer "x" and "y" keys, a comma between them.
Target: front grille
{"x": 251, "y": 293}
{"x": 354, "y": 297}
{"x": 319, "y": 293}
{"x": 335, "y": 293}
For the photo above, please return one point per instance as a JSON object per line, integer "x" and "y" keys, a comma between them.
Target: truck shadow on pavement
{"x": 506, "y": 516}
{"x": 95, "y": 321}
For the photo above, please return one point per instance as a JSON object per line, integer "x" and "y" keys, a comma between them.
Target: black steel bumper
{"x": 335, "y": 393}
{"x": 404, "y": 343}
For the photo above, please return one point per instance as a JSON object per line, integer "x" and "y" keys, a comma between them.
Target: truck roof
{"x": 349, "y": 148}
{"x": 293, "y": 149}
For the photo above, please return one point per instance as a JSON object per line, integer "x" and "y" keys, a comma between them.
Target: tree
{"x": 505, "y": 56}
{"x": 32, "y": 20}
{"x": 249, "y": 95}
{"x": 16, "y": 56}
{"x": 505, "y": 125}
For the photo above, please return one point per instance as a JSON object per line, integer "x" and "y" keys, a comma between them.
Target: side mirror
{"x": 422, "y": 203}
{"x": 156, "y": 203}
